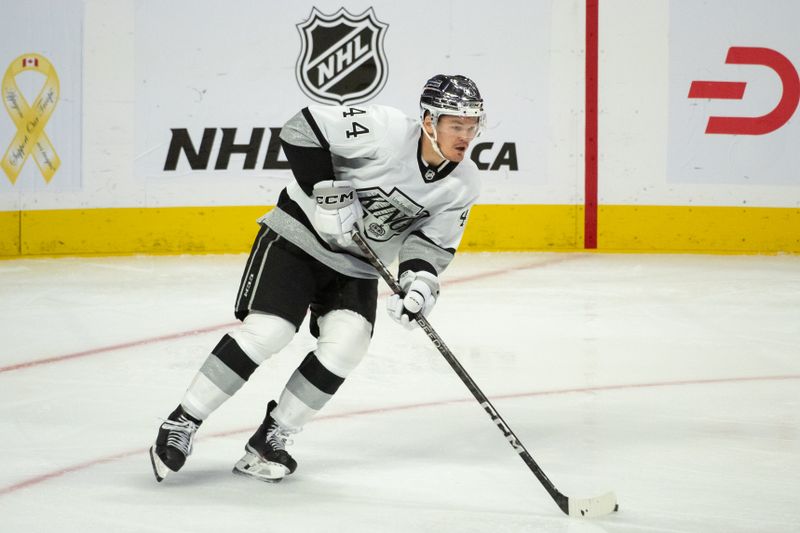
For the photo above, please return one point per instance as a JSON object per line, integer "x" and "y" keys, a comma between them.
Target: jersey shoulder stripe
{"x": 323, "y": 142}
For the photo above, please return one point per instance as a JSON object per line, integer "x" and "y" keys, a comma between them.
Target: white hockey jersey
{"x": 411, "y": 211}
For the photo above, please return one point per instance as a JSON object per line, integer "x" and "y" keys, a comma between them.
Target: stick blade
{"x": 591, "y": 507}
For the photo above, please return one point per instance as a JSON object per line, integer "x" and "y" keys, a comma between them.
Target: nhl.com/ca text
{"x": 222, "y": 144}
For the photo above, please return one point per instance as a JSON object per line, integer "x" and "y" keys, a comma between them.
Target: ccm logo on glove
{"x": 336, "y": 199}
{"x": 338, "y": 211}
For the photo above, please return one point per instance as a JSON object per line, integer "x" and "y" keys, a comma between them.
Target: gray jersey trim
{"x": 298, "y": 131}
{"x": 416, "y": 247}
{"x": 296, "y": 233}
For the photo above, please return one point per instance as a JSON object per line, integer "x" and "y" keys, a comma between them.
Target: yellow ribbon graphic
{"x": 30, "y": 120}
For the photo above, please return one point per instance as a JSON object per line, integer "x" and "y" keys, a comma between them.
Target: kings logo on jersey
{"x": 388, "y": 214}
{"x": 342, "y": 59}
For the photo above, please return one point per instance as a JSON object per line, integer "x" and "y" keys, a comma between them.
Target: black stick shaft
{"x": 560, "y": 499}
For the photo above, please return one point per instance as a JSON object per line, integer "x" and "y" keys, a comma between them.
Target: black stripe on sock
{"x": 319, "y": 376}
{"x": 229, "y": 352}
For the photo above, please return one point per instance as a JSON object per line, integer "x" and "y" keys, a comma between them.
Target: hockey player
{"x": 370, "y": 169}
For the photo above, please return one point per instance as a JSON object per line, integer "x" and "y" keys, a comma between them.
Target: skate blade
{"x": 251, "y": 465}
{"x": 159, "y": 468}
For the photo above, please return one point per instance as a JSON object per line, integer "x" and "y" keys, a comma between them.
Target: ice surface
{"x": 673, "y": 380}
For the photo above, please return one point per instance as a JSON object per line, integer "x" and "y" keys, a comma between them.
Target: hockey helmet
{"x": 451, "y": 95}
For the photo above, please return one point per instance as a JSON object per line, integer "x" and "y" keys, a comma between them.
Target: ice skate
{"x": 266, "y": 458}
{"x": 173, "y": 443}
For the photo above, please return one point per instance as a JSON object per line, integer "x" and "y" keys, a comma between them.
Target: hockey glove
{"x": 338, "y": 210}
{"x": 421, "y": 290}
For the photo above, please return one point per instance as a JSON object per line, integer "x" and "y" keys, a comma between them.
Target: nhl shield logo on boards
{"x": 342, "y": 59}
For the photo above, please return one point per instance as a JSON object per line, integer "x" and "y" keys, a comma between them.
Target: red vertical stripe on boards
{"x": 590, "y": 141}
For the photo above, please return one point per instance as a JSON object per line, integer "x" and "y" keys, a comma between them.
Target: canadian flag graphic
{"x": 30, "y": 62}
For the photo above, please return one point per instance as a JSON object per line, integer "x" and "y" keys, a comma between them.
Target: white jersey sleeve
{"x": 434, "y": 240}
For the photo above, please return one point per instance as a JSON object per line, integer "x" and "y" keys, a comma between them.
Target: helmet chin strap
{"x": 434, "y": 142}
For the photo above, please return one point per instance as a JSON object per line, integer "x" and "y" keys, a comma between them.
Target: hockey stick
{"x": 581, "y": 507}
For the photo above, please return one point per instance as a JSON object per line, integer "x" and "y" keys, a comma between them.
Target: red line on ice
{"x": 207, "y": 329}
{"x": 602, "y": 388}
